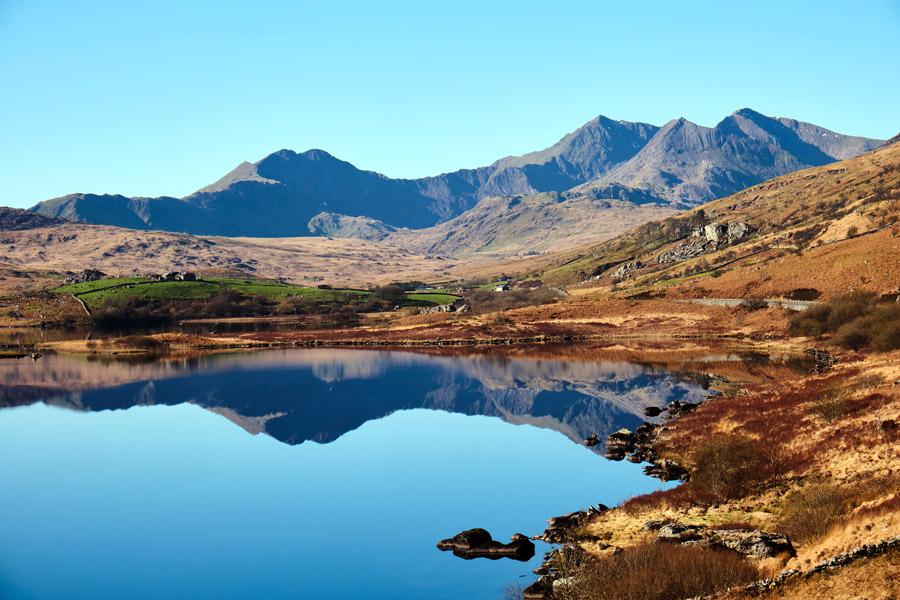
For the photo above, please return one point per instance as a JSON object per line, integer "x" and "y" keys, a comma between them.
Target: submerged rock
{"x": 471, "y": 538}
{"x": 558, "y": 528}
{"x": 477, "y": 543}
{"x": 620, "y": 443}
{"x": 652, "y": 411}
{"x": 667, "y": 470}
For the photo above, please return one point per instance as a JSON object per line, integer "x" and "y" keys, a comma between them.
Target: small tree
{"x": 728, "y": 466}
{"x": 392, "y": 294}
{"x": 831, "y": 404}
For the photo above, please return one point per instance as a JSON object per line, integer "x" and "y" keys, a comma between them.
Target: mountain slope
{"x": 505, "y": 226}
{"x": 688, "y": 164}
{"x": 832, "y": 229}
{"x": 681, "y": 163}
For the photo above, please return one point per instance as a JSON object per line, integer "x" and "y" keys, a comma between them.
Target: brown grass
{"x": 678, "y": 498}
{"x": 874, "y": 579}
{"x": 728, "y": 466}
{"x": 663, "y": 572}
{"x": 301, "y": 260}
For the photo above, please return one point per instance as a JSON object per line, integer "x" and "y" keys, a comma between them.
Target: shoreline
{"x": 861, "y": 481}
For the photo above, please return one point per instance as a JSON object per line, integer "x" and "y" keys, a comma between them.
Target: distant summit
{"x": 285, "y": 194}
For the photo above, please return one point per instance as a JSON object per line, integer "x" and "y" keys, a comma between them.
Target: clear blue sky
{"x": 161, "y": 98}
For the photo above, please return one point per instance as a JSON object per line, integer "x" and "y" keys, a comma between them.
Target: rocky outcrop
{"x": 459, "y": 306}
{"x": 86, "y": 275}
{"x": 706, "y": 239}
{"x": 637, "y": 445}
{"x": 689, "y": 248}
{"x": 620, "y": 443}
{"x": 738, "y": 231}
{"x": 477, "y": 543}
{"x": 559, "y": 529}
{"x": 626, "y": 268}
{"x": 823, "y": 360}
{"x": 752, "y": 543}
{"x": 714, "y": 232}
{"x": 841, "y": 560}
{"x": 678, "y": 409}
{"x": 556, "y": 572}
{"x": 654, "y": 525}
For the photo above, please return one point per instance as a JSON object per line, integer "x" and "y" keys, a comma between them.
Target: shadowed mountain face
{"x": 314, "y": 395}
{"x": 680, "y": 163}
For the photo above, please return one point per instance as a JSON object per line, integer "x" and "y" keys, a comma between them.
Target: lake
{"x": 300, "y": 473}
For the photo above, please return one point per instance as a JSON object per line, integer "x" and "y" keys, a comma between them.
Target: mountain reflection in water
{"x": 168, "y": 500}
{"x": 318, "y": 395}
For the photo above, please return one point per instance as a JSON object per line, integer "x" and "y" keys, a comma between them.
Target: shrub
{"x": 727, "y": 466}
{"x": 754, "y": 304}
{"x": 512, "y": 591}
{"x": 483, "y": 301}
{"x": 663, "y": 572}
{"x": 392, "y": 294}
{"x": 888, "y": 338}
{"x": 810, "y": 322}
{"x": 856, "y": 308}
{"x": 811, "y": 513}
{"x": 831, "y": 404}
{"x": 846, "y": 309}
{"x": 872, "y": 380}
{"x": 853, "y": 336}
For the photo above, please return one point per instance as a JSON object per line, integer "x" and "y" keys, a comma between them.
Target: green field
{"x": 96, "y": 293}
{"x": 491, "y": 286}
{"x": 432, "y": 297}
{"x": 169, "y": 290}
{"x": 89, "y": 286}
{"x": 274, "y": 290}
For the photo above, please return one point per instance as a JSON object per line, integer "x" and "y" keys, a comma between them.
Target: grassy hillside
{"x": 119, "y": 290}
{"x": 818, "y": 221}
{"x": 303, "y": 261}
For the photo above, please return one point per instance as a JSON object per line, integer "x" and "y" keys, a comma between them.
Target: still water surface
{"x": 299, "y": 473}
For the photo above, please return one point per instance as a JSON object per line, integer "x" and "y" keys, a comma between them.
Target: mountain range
{"x": 287, "y": 194}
